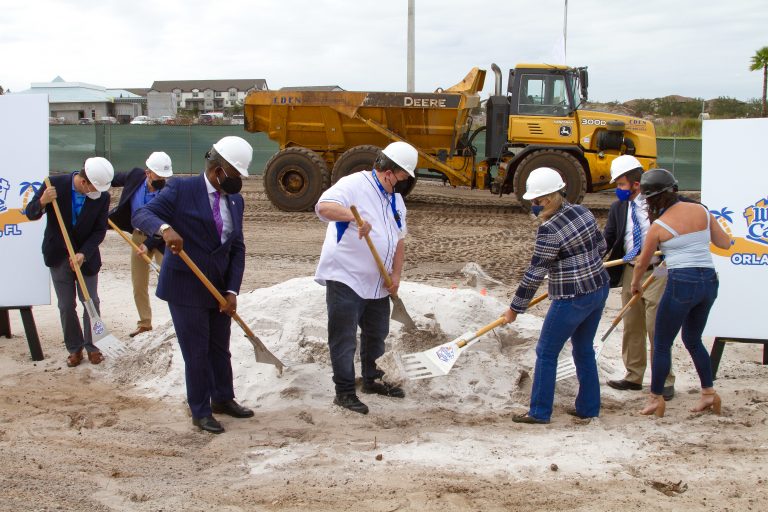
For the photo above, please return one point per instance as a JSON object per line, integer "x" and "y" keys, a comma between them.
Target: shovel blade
{"x": 399, "y": 314}
{"x": 101, "y": 337}
{"x": 435, "y": 361}
{"x": 263, "y": 355}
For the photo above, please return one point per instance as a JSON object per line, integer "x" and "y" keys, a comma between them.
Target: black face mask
{"x": 229, "y": 184}
{"x": 401, "y": 187}
{"x": 157, "y": 184}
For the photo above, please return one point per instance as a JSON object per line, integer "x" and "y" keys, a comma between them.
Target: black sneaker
{"x": 351, "y": 402}
{"x": 383, "y": 388}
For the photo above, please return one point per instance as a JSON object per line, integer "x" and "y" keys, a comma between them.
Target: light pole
{"x": 411, "y": 44}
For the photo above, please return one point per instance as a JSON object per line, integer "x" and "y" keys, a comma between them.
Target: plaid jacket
{"x": 569, "y": 247}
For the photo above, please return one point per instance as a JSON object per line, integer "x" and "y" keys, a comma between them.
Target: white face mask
{"x": 93, "y": 195}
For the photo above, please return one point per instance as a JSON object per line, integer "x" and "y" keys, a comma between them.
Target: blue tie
{"x": 637, "y": 237}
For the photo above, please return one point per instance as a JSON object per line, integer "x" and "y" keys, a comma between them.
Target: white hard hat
{"x": 622, "y": 165}
{"x": 404, "y": 155}
{"x": 160, "y": 163}
{"x": 99, "y": 172}
{"x": 542, "y": 181}
{"x": 236, "y": 151}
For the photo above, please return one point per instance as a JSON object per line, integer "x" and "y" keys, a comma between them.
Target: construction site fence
{"x": 127, "y": 146}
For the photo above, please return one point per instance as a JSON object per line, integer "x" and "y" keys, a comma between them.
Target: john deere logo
{"x": 565, "y": 131}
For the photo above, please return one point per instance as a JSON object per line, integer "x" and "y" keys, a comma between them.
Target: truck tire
{"x": 358, "y": 158}
{"x": 565, "y": 163}
{"x": 361, "y": 158}
{"x": 294, "y": 179}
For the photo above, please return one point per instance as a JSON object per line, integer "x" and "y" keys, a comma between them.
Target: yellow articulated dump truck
{"x": 325, "y": 135}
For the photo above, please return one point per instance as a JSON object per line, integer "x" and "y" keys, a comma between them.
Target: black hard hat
{"x": 656, "y": 181}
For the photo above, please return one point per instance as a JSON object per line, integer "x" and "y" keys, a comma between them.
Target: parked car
{"x": 166, "y": 120}
{"x": 211, "y": 117}
{"x": 107, "y": 120}
{"x": 57, "y": 120}
{"x": 141, "y": 120}
{"x": 85, "y": 120}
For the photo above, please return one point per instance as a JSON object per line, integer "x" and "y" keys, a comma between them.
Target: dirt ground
{"x": 80, "y": 439}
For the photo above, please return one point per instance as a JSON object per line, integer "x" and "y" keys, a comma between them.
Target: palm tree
{"x": 28, "y": 188}
{"x": 760, "y": 61}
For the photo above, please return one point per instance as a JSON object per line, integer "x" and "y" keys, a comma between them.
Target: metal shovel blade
{"x": 399, "y": 314}
{"x": 437, "y": 360}
{"x": 101, "y": 337}
{"x": 263, "y": 355}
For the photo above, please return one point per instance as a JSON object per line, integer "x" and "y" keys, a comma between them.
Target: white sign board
{"x": 24, "y": 278}
{"x": 734, "y": 186}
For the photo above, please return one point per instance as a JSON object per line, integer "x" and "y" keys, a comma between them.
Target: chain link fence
{"x": 128, "y": 146}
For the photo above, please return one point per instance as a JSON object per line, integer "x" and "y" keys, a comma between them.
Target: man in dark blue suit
{"x": 204, "y": 216}
{"x": 140, "y": 186}
{"x": 84, "y": 202}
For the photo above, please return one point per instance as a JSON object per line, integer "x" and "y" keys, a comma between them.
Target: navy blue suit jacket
{"x": 183, "y": 203}
{"x": 121, "y": 214}
{"x": 86, "y": 235}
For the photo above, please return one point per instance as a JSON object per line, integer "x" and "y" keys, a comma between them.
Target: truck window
{"x": 543, "y": 95}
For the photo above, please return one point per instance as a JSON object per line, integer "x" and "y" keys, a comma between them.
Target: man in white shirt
{"x": 355, "y": 292}
{"x": 625, "y": 232}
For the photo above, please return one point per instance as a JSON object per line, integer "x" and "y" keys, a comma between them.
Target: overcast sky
{"x": 634, "y": 49}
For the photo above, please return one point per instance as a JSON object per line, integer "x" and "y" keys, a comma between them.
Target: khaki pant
{"x": 639, "y": 324}
{"x": 140, "y": 277}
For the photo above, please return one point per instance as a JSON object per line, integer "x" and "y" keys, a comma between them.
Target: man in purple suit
{"x": 204, "y": 216}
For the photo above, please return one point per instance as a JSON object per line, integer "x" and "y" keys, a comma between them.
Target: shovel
{"x": 100, "y": 336}
{"x": 262, "y": 353}
{"x": 439, "y": 360}
{"x": 144, "y": 256}
{"x": 568, "y": 369}
{"x": 399, "y": 313}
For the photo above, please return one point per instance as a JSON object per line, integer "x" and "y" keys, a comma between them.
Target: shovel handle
{"x": 68, "y": 242}
{"x": 216, "y": 293}
{"x": 632, "y": 301}
{"x": 130, "y": 242}
{"x": 379, "y": 263}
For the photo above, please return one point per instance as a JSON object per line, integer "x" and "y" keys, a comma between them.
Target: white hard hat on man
{"x": 404, "y": 155}
{"x": 236, "y": 151}
{"x": 160, "y": 163}
{"x": 99, "y": 172}
{"x": 622, "y": 165}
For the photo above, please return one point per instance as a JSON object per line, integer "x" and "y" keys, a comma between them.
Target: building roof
{"x": 215, "y": 85}
{"x": 312, "y": 88}
{"x": 60, "y": 91}
{"x": 139, "y": 91}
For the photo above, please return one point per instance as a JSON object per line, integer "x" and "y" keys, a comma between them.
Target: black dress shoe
{"x": 668, "y": 393}
{"x": 524, "y": 418}
{"x": 624, "y": 385}
{"x": 383, "y": 388}
{"x": 231, "y": 408}
{"x": 209, "y": 424}
{"x": 351, "y": 402}
{"x": 573, "y": 412}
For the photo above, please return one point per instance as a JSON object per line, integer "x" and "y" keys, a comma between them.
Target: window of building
{"x": 195, "y": 93}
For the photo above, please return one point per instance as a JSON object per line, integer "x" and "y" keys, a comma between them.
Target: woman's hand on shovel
{"x": 173, "y": 240}
{"x": 510, "y": 315}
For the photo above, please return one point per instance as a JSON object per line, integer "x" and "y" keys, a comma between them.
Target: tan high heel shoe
{"x": 655, "y": 405}
{"x": 705, "y": 403}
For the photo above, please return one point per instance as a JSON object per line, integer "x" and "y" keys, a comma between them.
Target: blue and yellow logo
{"x": 752, "y": 248}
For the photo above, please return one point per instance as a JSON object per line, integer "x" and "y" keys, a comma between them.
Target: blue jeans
{"x": 346, "y": 311}
{"x": 575, "y": 318}
{"x": 685, "y": 305}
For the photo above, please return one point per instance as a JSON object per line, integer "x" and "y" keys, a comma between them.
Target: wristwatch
{"x": 163, "y": 227}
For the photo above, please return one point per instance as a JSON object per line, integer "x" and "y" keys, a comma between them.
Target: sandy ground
{"x": 118, "y": 436}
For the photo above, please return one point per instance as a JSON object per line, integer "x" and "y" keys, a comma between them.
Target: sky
{"x": 654, "y": 48}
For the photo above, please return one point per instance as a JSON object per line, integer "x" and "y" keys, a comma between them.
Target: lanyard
{"x": 387, "y": 196}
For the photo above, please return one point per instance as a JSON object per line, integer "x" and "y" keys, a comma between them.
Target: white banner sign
{"x": 24, "y": 278}
{"x": 734, "y": 186}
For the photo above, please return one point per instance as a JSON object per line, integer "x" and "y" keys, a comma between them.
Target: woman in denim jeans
{"x": 568, "y": 247}
{"x": 683, "y": 232}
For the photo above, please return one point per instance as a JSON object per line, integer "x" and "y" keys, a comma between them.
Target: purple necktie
{"x": 217, "y": 213}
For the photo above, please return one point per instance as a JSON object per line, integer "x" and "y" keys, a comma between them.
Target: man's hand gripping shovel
{"x": 100, "y": 335}
{"x": 399, "y": 313}
{"x": 262, "y": 353}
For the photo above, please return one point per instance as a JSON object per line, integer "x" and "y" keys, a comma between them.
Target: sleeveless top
{"x": 688, "y": 250}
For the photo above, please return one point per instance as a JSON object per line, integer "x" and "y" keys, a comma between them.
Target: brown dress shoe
{"x": 95, "y": 357}
{"x": 139, "y": 330}
{"x": 75, "y": 359}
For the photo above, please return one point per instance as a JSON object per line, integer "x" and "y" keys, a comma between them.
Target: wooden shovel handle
{"x": 132, "y": 244}
{"x": 379, "y": 263}
{"x": 216, "y": 293}
{"x": 633, "y": 300}
{"x": 68, "y": 242}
